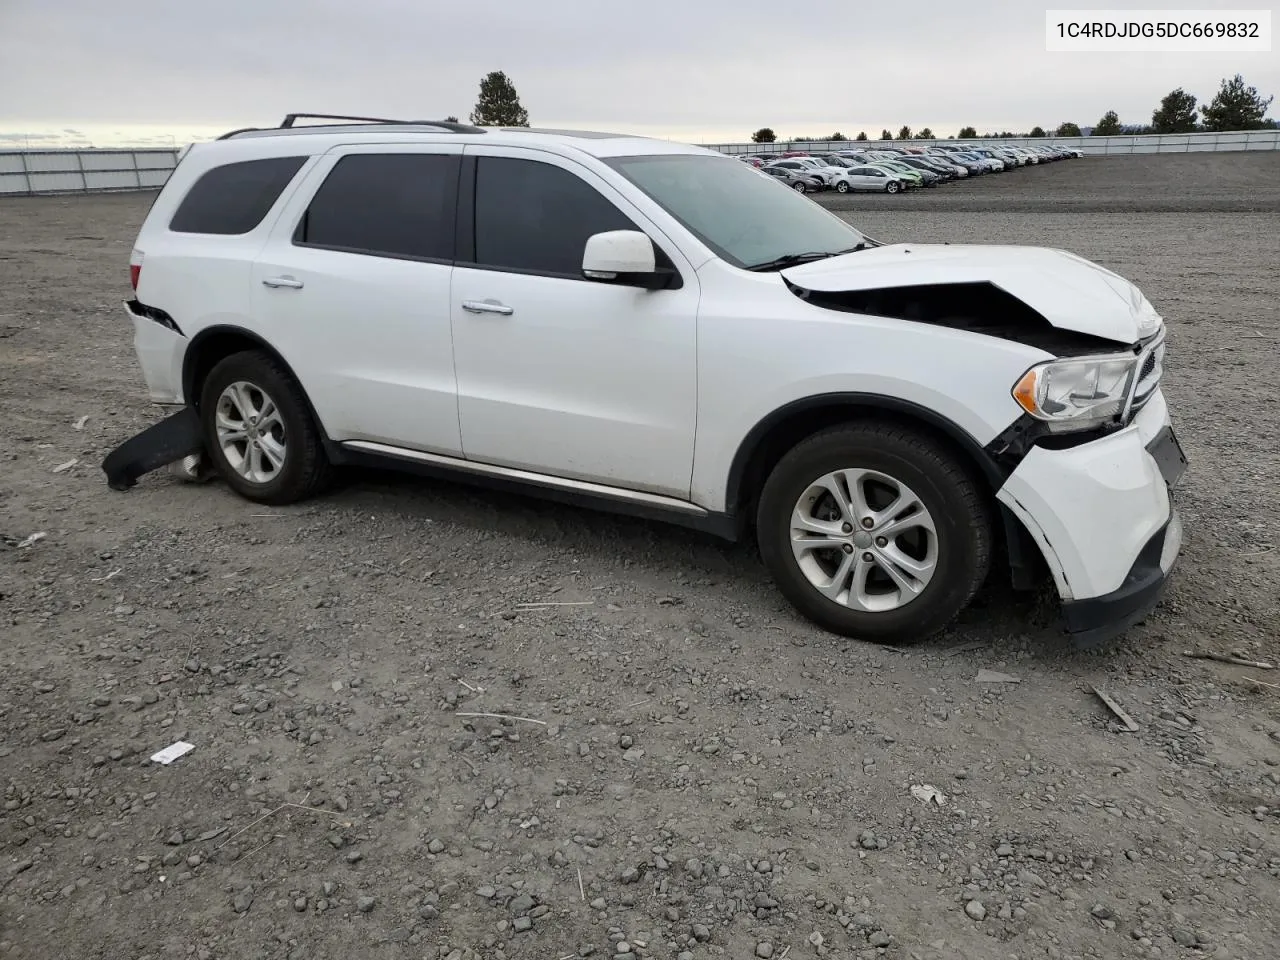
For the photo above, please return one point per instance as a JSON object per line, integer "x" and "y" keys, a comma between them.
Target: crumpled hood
{"x": 1072, "y": 293}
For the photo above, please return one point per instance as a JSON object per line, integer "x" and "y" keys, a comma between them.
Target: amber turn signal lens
{"x": 1025, "y": 392}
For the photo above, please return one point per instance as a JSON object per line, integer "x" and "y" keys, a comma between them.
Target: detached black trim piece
{"x": 1097, "y": 620}
{"x": 171, "y": 439}
{"x": 1168, "y": 455}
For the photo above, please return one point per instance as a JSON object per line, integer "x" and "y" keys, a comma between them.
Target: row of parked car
{"x": 885, "y": 169}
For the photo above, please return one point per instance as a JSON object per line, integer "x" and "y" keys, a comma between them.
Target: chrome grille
{"x": 1150, "y": 369}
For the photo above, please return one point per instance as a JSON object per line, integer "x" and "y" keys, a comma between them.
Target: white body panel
{"x": 753, "y": 331}
{"x": 1092, "y": 508}
{"x": 368, "y": 336}
{"x": 1069, "y": 291}
{"x": 588, "y": 381}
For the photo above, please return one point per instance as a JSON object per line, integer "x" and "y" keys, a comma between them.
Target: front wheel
{"x": 875, "y": 531}
{"x": 259, "y": 431}
{"x": 842, "y": 186}
{"x": 799, "y": 187}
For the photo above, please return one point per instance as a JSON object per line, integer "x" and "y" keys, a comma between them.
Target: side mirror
{"x": 625, "y": 257}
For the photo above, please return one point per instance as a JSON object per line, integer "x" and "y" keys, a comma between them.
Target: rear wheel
{"x": 799, "y": 186}
{"x": 259, "y": 431}
{"x": 892, "y": 187}
{"x": 875, "y": 531}
{"x": 842, "y": 186}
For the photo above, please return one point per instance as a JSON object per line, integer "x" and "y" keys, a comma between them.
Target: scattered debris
{"x": 284, "y": 806}
{"x": 1257, "y": 682}
{"x": 79, "y": 424}
{"x": 502, "y": 716}
{"x": 582, "y": 891}
{"x": 965, "y": 648}
{"x": 556, "y": 603}
{"x": 1227, "y": 658}
{"x": 1115, "y": 708}
{"x": 926, "y": 792}
{"x": 110, "y": 576}
{"x": 32, "y": 540}
{"x": 64, "y": 467}
{"x": 994, "y": 676}
{"x": 172, "y": 752}
{"x": 470, "y": 687}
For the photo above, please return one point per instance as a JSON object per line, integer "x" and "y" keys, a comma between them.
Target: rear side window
{"x": 233, "y": 198}
{"x": 386, "y": 204}
{"x": 536, "y": 217}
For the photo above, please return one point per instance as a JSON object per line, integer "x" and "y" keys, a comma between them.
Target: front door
{"x": 352, "y": 288}
{"x": 558, "y": 374}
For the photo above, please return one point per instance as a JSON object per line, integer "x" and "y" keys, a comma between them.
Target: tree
{"x": 862, "y": 135}
{"x": 1236, "y": 107}
{"x": 450, "y": 119}
{"x": 837, "y": 136}
{"x": 967, "y": 133}
{"x": 1067, "y": 129}
{"x": 886, "y": 135}
{"x": 764, "y": 135}
{"x": 499, "y": 104}
{"x": 1037, "y": 131}
{"x": 1176, "y": 113}
{"x": 904, "y": 133}
{"x": 925, "y": 134}
{"x": 1108, "y": 126}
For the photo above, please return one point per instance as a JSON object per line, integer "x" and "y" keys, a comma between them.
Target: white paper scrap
{"x": 925, "y": 792}
{"x": 173, "y": 752}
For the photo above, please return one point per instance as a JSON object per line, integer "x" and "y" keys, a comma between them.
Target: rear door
{"x": 352, "y": 288}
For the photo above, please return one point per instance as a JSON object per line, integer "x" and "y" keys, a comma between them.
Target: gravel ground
{"x": 699, "y": 774}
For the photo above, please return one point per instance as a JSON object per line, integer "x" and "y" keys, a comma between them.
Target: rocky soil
{"x": 683, "y": 769}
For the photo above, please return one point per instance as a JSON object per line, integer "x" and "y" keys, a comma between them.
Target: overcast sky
{"x": 697, "y": 70}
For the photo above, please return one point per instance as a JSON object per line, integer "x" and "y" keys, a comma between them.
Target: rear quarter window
{"x": 233, "y": 198}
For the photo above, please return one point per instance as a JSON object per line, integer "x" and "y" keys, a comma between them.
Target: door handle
{"x": 282, "y": 282}
{"x": 487, "y": 306}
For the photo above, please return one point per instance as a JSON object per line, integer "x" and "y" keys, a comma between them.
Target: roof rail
{"x": 290, "y": 123}
{"x": 290, "y": 119}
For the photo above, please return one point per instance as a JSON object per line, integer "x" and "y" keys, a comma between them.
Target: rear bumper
{"x": 160, "y": 346}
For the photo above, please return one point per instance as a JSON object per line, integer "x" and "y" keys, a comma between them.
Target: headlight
{"x": 1076, "y": 394}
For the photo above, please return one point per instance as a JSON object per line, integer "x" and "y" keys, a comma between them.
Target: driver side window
{"x": 535, "y": 217}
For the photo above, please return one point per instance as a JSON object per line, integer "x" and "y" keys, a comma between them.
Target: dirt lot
{"x": 707, "y": 776}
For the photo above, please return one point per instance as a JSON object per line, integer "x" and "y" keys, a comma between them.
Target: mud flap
{"x": 171, "y": 439}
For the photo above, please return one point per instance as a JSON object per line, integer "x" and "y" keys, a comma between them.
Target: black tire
{"x": 306, "y": 470}
{"x": 961, "y": 514}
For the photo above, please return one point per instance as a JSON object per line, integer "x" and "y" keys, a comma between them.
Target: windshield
{"x": 744, "y": 217}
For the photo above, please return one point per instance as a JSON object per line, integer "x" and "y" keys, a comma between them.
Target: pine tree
{"x": 1176, "y": 113}
{"x": 499, "y": 104}
{"x": 925, "y": 134}
{"x": 1108, "y": 126}
{"x": 1236, "y": 107}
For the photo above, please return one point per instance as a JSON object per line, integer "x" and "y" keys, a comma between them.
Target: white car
{"x": 653, "y": 328}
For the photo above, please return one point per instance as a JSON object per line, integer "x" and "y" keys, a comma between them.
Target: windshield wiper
{"x": 791, "y": 259}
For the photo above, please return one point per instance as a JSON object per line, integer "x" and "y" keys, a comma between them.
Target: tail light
{"x": 135, "y": 268}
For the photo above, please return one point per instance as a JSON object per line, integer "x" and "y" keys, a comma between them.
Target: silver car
{"x": 871, "y": 179}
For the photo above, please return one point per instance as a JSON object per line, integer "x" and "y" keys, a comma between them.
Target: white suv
{"x": 654, "y": 328}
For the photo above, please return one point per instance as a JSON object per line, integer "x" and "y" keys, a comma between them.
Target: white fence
{"x": 1092, "y": 146}
{"x": 26, "y": 172}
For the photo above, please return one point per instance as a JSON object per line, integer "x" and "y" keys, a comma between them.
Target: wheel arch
{"x": 214, "y": 344}
{"x": 782, "y": 429}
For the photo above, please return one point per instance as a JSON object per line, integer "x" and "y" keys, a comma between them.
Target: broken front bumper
{"x": 1103, "y": 516}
